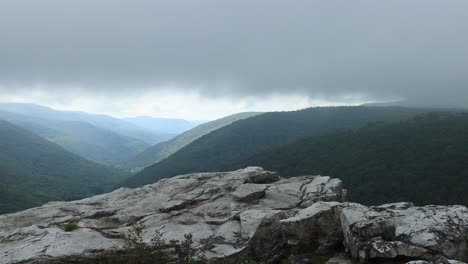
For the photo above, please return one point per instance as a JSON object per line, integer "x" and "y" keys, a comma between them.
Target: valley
{"x": 381, "y": 153}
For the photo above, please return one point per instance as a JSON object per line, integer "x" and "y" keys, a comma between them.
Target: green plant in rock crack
{"x": 70, "y": 227}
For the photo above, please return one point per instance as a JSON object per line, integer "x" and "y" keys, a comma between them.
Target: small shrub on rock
{"x": 69, "y": 227}
{"x": 136, "y": 251}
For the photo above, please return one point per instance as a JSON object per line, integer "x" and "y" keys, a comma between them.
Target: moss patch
{"x": 69, "y": 227}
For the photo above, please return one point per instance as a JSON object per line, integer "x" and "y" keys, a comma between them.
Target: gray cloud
{"x": 378, "y": 49}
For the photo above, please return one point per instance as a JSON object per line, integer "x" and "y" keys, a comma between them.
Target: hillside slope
{"x": 165, "y": 149}
{"x": 34, "y": 171}
{"x": 80, "y": 137}
{"x": 422, "y": 161}
{"x": 244, "y": 138}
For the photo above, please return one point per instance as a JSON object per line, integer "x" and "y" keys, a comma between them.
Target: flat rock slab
{"x": 249, "y": 193}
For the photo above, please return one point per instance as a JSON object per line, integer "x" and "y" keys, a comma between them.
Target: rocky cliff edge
{"x": 249, "y": 214}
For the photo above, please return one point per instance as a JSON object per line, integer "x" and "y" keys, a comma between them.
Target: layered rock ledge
{"x": 246, "y": 214}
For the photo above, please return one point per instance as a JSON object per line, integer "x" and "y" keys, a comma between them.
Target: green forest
{"x": 382, "y": 154}
{"x": 164, "y": 149}
{"x": 34, "y": 171}
{"x": 423, "y": 160}
{"x": 233, "y": 143}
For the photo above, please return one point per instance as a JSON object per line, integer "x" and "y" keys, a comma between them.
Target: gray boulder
{"x": 249, "y": 214}
{"x": 402, "y": 230}
{"x": 225, "y": 208}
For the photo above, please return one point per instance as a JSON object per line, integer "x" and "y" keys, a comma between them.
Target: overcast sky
{"x": 205, "y": 59}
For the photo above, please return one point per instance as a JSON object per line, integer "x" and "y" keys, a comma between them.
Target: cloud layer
{"x": 325, "y": 49}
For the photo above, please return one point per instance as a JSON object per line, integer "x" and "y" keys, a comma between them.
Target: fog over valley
{"x": 190, "y": 59}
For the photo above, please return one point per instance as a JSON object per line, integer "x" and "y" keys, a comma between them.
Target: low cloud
{"x": 330, "y": 50}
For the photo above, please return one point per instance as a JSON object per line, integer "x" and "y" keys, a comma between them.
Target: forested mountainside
{"x": 423, "y": 160}
{"x": 34, "y": 171}
{"x": 244, "y": 138}
{"x": 165, "y": 149}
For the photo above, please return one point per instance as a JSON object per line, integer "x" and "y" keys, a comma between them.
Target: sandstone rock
{"x": 451, "y": 261}
{"x": 402, "y": 230}
{"x": 318, "y": 224}
{"x": 389, "y": 232}
{"x": 246, "y": 214}
{"x": 248, "y": 193}
{"x": 264, "y": 177}
{"x": 223, "y": 207}
{"x": 342, "y": 259}
{"x": 446, "y": 261}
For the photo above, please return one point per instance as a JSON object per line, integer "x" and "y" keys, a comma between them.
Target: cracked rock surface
{"x": 245, "y": 214}
{"x": 402, "y": 230}
{"x": 225, "y": 206}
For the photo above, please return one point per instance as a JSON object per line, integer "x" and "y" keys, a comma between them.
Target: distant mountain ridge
{"x": 163, "y": 125}
{"x": 103, "y": 121}
{"x": 79, "y": 137}
{"x": 97, "y": 137}
{"x": 454, "y": 104}
{"x": 164, "y": 149}
{"x": 34, "y": 171}
{"x": 244, "y": 138}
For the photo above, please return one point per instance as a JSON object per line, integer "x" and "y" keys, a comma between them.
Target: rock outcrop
{"x": 246, "y": 214}
{"x": 403, "y": 231}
